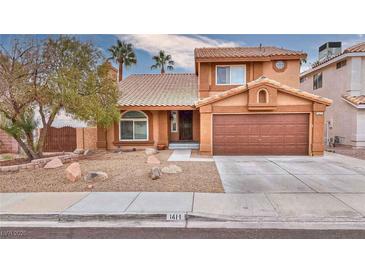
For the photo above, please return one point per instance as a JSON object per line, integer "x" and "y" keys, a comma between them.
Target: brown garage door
{"x": 260, "y": 134}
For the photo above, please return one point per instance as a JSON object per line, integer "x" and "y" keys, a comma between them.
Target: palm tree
{"x": 124, "y": 54}
{"x": 163, "y": 60}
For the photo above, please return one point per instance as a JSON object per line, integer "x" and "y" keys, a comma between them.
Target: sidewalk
{"x": 253, "y": 209}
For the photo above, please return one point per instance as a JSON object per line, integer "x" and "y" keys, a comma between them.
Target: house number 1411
{"x": 175, "y": 216}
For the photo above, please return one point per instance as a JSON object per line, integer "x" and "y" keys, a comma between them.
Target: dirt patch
{"x": 126, "y": 172}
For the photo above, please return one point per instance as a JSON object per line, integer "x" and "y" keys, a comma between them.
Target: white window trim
{"x": 177, "y": 121}
{"x": 230, "y": 82}
{"x": 133, "y": 119}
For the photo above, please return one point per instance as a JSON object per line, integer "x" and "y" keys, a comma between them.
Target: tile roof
{"x": 169, "y": 89}
{"x": 354, "y": 49}
{"x": 245, "y": 52}
{"x": 260, "y": 81}
{"x": 356, "y": 100}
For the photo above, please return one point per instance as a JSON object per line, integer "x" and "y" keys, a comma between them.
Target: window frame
{"x": 172, "y": 122}
{"x": 341, "y": 64}
{"x": 230, "y": 76}
{"x": 315, "y": 80}
{"x": 134, "y": 120}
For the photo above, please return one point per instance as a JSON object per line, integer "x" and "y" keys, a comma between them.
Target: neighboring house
{"x": 340, "y": 77}
{"x": 239, "y": 101}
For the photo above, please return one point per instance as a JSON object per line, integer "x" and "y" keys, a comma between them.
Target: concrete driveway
{"x": 332, "y": 173}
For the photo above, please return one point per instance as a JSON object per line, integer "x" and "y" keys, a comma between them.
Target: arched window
{"x": 262, "y": 96}
{"x": 133, "y": 126}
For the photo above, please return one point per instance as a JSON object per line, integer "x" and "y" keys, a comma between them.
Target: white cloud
{"x": 181, "y": 47}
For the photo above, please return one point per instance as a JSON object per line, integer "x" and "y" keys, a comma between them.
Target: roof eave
{"x": 250, "y": 85}
{"x": 360, "y": 106}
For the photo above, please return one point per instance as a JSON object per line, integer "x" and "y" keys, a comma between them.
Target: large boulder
{"x": 171, "y": 169}
{"x": 152, "y": 160}
{"x": 54, "y": 163}
{"x": 73, "y": 172}
{"x": 155, "y": 173}
{"x": 93, "y": 176}
{"x": 150, "y": 151}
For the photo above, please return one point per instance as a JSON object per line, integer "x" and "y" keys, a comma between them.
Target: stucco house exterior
{"x": 341, "y": 77}
{"x": 238, "y": 101}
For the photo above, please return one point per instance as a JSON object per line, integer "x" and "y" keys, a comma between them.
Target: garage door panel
{"x": 261, "y": 134}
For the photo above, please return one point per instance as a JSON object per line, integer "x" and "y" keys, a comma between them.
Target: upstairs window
{"x": 341, "y": 64}
{"x": 317, "y": 81}
{"x": 231, "y": 75}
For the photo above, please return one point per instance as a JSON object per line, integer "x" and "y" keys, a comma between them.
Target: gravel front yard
{"x": 127, "y": 172}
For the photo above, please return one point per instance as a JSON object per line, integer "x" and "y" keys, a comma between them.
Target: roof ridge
{"x": 237, "y": 47}
{"x": 168, "y": 73}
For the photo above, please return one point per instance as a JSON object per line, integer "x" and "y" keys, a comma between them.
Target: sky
{"x": 181, "y": 47}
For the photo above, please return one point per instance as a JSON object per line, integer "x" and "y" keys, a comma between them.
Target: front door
{"x": 186, "y": 125}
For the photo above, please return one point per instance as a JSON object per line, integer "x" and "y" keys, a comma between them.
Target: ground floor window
{"x": 134, "y": 126}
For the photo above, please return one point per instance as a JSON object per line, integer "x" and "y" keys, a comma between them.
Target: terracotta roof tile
{"x": 168, "y": 89}
{"x": 259, "y": 81}
{"x": 245, "y": 52}
{"x": 356, "y": 48}
{"x": 356, "y": 100}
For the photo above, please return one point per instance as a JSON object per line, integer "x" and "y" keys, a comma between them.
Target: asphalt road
{"x": 174, "y": 233}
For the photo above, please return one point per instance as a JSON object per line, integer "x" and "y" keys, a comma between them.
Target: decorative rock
{"x": 155, "y": 173}
{"x": 90, "y": 186}
{"x": 172, "y": 169}
{"x": 56, "y": 162}
{"x": 150, "y": 151}
{"x": 73, "y": 172}
{"x": 78, "y": 151}
{"x": 152, "y": 160}
{"x": 95, "y": 176}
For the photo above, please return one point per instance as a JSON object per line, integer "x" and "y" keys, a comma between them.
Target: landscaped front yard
{"x": 126, "y": 172}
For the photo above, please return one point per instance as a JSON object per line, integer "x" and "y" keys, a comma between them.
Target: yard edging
{"x": 39, "y": 163}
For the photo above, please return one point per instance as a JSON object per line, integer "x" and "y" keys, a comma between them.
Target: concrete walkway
{"x": 248, "y": 207}
{"x": 184, "y": 155}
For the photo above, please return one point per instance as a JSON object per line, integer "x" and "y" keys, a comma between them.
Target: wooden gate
{"x": 60, "y": 139}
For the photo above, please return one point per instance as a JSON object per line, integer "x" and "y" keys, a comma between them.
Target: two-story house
{"x": 239, "y": 101}
{"x": 340, "y": 76}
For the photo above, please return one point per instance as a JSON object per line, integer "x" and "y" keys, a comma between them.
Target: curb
{"x": 189, "y": 216}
